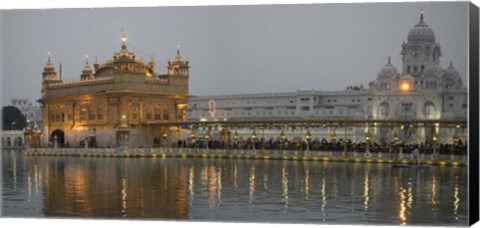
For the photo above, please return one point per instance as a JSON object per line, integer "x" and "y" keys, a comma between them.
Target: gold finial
{"x": 421, "y": 14}
{"x": 86, "y": 59}
{"x": 49, "y": 53}
{"x": 389, "y": 59}
{"x": 178, "y": 50}
{"x": 124, "y": 40}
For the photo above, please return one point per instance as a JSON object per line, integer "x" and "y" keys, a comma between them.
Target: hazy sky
{"x": 231, "y": 49}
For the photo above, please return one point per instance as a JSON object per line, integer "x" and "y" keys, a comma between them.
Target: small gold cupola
{"x": 87, "y": 73}
{"x": 178, "y": 67}
{"x": 49, "y": 70}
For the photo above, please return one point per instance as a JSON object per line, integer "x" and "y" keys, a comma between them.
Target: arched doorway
{"x": 60, "y": 135}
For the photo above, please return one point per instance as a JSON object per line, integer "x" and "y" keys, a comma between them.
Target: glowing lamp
{"x": 207, "y": 135}
{"x": 395, "y": 137}
{"x": 368, "y": 137}
{"x": 282, "y": 136}
{"x": 254, "y": 135}
{"x": 333, "y": 137}
{"x": 405, "y": 86}
{"x": 235, "y": 136}
{"x": 308, "y": 135}
{"x": 435, "y": 138}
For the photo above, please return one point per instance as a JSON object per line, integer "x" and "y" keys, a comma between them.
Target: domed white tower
{"x": 420, "y": 50}
{"x": 385, "y": 78}
{"x": 451, "y": 79}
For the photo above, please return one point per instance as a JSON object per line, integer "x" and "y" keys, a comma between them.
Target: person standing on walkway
{"x": 416, "y": 154}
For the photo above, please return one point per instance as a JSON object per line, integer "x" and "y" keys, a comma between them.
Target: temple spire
{"x": 49, "y": 56}
{"x": 388, "y": 60}
{"x": 86, "y": 59}
{"x": 421, "y": 14}
{"x": 178, "y": 50}
{"x": 124, "y": 40}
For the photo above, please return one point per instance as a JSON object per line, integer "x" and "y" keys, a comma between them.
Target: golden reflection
{"x": 219, "y": 184}
{"x": 402, "y": 214}
{"x": 29, "y": 181}
{"x": 190, "y": 185}
{"x": 324, "y": 196}
{"x": 434, "y": 191}
{"x": 235, "y": 177}
{"x": 252, "y": 185}
{"x": 307, "y": 182}
{"x": 285, "y": 186}
{"x": 212, "y": 186}
{"x": 410, "y": 194}
{"x": 366, "y": 191}
{"x": 38, "y": 179}
{"x": 124, "y": 197}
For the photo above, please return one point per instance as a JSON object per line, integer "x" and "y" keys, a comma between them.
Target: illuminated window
{"x": 83, "y": 114}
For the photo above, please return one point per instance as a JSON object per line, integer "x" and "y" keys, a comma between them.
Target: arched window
{"x": 429, "y": 110}
{"x": 383, "y": 110}
{"x": 165, "y": 114}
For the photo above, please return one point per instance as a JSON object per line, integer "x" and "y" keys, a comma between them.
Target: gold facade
{"x": 120, "y": 103}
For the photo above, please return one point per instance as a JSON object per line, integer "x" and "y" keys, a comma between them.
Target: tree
{"x": 13, "y": 118}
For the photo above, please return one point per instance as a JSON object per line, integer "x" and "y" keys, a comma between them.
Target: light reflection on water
{"x": 232, "y": 190}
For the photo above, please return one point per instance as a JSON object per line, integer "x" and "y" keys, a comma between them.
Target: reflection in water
{"x": 457, "y": 199}
{"x": 219, "y": 184}
{"x": 252, "y": 185}
{"x": 402, "y": 213}
{"x": 285, "y": 186}
{"x": 226, "y": 190}
{"x": 191, "y": 178}
{"x": 410, "y": 194}
{"x": 366, "y": 191}
{"x": 307, "y": 182}
{"x": 212, "y": 186}
{"x": 124, "y": 197}
{"x": 235, "y": 177}
{"x": 14, "y": 172}
{"x": 434, "y": 191}
{"x": 324, "y": 195}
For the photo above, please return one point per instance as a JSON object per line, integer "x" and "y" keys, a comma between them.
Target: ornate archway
{"x": 60, "y": 137}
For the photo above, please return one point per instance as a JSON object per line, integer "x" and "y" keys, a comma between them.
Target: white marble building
{"x": 420, "y": 90}
{"x": 32, "y": 113}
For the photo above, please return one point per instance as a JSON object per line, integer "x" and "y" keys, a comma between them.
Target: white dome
{"x": 389, "y": 69}
{"x": 421, "y": 33}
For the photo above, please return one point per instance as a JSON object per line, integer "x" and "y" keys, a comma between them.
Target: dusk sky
{"x": 231, "y": 49}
